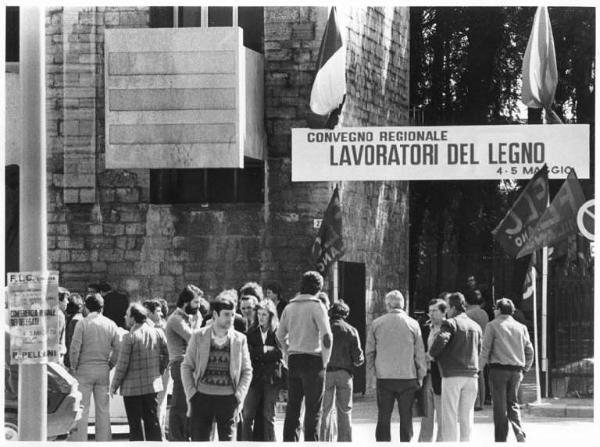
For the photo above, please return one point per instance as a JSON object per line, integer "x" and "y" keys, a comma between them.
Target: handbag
{"x": 422, "y": 405}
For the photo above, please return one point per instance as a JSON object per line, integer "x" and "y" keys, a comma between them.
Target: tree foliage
{"x": 465, "y": 67}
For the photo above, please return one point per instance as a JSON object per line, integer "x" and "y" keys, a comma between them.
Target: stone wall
{"x": 375, "y": 213}
{"x": 102, "y": 226}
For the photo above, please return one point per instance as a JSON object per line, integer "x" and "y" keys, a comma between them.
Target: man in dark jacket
{"x": 115, "y": 304}
{"x": 346, "y": 354}
{"x": 456, "y": 349}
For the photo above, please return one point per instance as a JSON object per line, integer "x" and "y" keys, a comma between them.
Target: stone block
{"x": 76, "y": 267}
{"x": 127, "y": 195}
{"x": 111, "y": 229}
{"x": 110, "y": 255}
{"x": 135, "y": 228}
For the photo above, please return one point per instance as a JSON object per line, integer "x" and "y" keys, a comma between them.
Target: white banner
{"x": 439, "y": 153}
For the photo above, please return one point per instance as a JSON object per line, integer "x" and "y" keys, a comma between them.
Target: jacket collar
{"x": 304, "y": 297}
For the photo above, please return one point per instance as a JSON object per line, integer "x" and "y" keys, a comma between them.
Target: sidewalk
{"x": 552, "y": 407}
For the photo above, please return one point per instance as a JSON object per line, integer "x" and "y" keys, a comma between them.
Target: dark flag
{"x": 560, "y": 218}
{"x": 515, "y": 229}
{"x": 328, "y": 91}
{"x": 329, "y": 245}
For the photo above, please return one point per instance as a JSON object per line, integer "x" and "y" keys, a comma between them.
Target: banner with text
{"x": 33, "y": 317}
{"x": 439, "y": 153}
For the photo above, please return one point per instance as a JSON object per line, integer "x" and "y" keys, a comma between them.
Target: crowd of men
{"x": 229, "y": 358}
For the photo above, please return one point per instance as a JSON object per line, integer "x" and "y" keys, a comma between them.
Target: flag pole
{"x": 334, "y": 267}
{"x": 538, "y": 396}
{"x": 544, "y": 347}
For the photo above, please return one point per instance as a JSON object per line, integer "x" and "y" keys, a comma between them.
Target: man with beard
{"x": 180, "y": 325}
{"x": 216, "y": 374}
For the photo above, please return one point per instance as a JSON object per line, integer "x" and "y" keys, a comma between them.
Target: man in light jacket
{"x": 305, "y": 338}
{"x": 216, "y": 373}
{"x": 508, "y": 352}
{"x": 396, "y": 358}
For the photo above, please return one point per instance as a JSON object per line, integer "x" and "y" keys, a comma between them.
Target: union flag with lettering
{"x": 329, "y": 244}
{"x": 559, "y": 220}
{"x": 513, "y": 232}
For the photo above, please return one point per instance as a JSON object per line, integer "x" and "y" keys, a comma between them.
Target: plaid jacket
{"x": 143, "y": 358}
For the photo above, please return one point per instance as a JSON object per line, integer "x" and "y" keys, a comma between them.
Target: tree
{"x": 466, "y": 70}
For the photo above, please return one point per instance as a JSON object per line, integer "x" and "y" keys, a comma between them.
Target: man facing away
{"x": 92, "y": 354}
{"x": 456, "y": 349}
{"x": 115, "y": 304}
{"x": 346, "y": 354}
{"x": 305, "y": 337}
{"x": 143, "y": 357}
{"x": 180, "y": 325}
{"x": 433, "y": 382}
{"x": 479, "y": 316}
{"x": 216, "y": 373}
{"x": 396, "y": 358}
{"x": 508, "y": 352}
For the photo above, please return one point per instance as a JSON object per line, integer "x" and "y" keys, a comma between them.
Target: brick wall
{"x": 102, "y": 227}
{"x": 375, "y": 213}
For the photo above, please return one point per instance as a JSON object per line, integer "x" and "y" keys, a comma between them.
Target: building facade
{"x": 152, "y": 229}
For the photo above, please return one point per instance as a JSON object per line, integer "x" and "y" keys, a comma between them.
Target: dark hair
{"x": 505, "y": 306}
{"x": 164, "y": 306}
{"x": 324, "y": 298}
{"x": 188, "y": 294}
{"x": 138, "y": 312}
{"x": 440, "y": 304}
{"x": 339, "y": 310}
{"x": 312, "y": 282}
{"x": 457, "y": 300}
{"x": 74, "y": 304}
{"x": 94, "y": 302}
{"x": 222, "y": 303}
{"x": 104, "y": 287}
{"x": 252, "y": 288}
{"x": 94, "y": 286}
{"x": 275, "y": 287}
{"x": 152, "y": 305}
{"x": 204, "y": 307}
{"x": 471, "y": 297}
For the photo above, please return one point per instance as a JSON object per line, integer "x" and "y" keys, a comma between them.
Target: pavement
{"x": 541, "y": 423}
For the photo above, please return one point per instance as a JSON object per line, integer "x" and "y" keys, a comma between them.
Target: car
{"x": 64, "y": 399}
{"x": 64, "y": 402}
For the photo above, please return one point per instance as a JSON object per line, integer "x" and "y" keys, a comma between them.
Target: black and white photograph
{"x": 310, "y": 222}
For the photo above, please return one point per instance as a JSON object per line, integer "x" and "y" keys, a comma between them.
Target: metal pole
{"x": 538, "y": 391}
{"x": 544, "y": 347}
{"x": 33, "y": 379}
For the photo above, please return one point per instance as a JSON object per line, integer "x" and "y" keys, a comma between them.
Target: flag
{"x": 528, "y": 284}
{"x": 515, "y": 229}
{"x": 540, "y": 75}
{"x": 560, "y": 218}
{"x": 329, "y": 245}
{"x": 329, "y": 87}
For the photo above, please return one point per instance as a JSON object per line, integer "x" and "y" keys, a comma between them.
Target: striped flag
{"x": 329, "y": 87}
{"x": 540, "y": 75}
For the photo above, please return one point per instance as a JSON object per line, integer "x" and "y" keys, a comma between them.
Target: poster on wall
{"x": 33, "y": 317}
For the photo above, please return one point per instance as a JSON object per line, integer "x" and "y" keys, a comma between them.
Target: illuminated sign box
{"x": 439, "y": 153}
